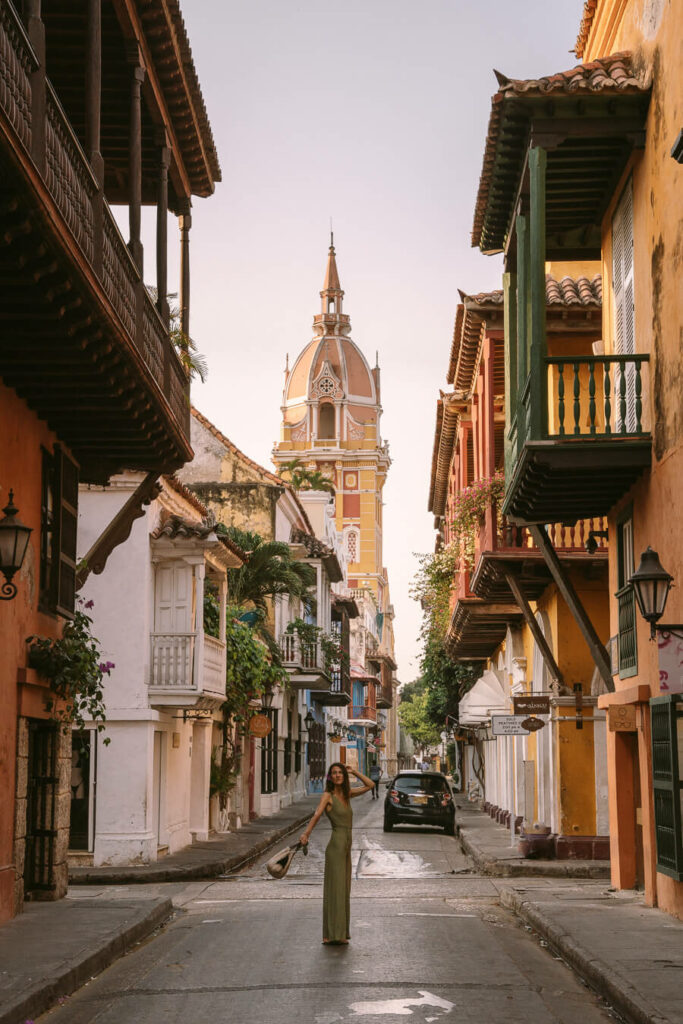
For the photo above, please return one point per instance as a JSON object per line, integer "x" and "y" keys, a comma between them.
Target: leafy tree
{"x": 303, "y": 479}
{"x": 269, "y": 571}
{"x": 413, "y": 716}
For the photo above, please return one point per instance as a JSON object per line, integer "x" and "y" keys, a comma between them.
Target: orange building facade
{"x": 594, "y": 173}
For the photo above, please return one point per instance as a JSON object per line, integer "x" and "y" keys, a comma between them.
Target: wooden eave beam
{"x": 129, "y": 20}
{"x": 534, "y": 628}
{"x": 581, "y": 617}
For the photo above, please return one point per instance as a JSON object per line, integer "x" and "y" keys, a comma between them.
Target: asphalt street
{"x": 430, "y": 942}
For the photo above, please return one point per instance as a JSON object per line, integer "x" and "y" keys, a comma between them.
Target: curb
{"x": 181, "y": 872}
{"x": 605, "y": 981}
{"x": 43, "y": 995}
{"x": 528, "y": 868}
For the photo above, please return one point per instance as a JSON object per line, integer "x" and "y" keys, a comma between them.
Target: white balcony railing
{"x": 174, "y": 667}
{"x": 301, "y": 654}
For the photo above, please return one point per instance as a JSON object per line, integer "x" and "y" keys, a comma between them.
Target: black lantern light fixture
{"x": 13, "y": 543}
{"x": 309, "y": 720}
{"x": 267, "y": 698}
{"x": 651, "y": 584}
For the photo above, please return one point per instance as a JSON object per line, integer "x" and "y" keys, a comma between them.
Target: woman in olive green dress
{"x": 336, "y": 803}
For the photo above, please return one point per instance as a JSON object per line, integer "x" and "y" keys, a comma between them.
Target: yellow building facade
{"x": 331, "y": 415}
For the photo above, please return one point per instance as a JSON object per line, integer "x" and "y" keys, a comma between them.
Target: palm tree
{"x": 303, "y": 479}
{"x": 268, "y": 572}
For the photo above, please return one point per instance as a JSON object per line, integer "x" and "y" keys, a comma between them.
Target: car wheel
{"x": 388, "y": 825}
{"x": 449, "y": 829}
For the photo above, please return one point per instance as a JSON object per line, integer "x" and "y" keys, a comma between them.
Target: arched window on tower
{"x": 326, "y": 421}
{"x": 330, "y": 306}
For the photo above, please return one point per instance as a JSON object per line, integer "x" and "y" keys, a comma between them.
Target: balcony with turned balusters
{"x": 484, "y": 603}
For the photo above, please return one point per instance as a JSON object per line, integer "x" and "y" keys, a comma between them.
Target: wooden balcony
{"x": 187, "y": 670}
{"x": 485, "y": 606}
{"x": 361, "y": 714}
{"x": 502, "y": 546}
{"x": 339, "y": 693}
{"x": 305, "y": 664}
{"x": 579, "y": 437}
{"x": 82, "y": 342}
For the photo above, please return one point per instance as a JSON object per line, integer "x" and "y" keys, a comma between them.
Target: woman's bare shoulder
{"x": 325, "y": 801}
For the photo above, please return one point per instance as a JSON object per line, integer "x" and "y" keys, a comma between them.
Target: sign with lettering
{"x": 260, "y": 725}
{"x": 510, "y": 725}
{"x": 533, "y": 724}
{"x": 531, "y": 705}
{"x": 621, "y": 717}
{"x": 670, "y": 649}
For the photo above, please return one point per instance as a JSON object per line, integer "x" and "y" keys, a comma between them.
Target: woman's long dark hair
{"x": 346, "y": 785}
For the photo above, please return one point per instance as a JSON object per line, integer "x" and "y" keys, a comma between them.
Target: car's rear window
{"x": 423, "y": 783}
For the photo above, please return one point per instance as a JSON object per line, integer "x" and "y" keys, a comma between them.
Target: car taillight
{"x": 446, "y": 800}
{"x": 394, "y": 796}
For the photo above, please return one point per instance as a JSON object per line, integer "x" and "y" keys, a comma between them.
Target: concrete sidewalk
{"x": 488, "y": 844}
{"x": 219, "y": 855}
{"x": 52, "y": 949}
{"x": 630, "y": 953}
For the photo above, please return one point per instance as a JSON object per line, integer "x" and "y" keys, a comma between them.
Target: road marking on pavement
{"x": 417, "y": 913}
{"x": 401, "y": 1007}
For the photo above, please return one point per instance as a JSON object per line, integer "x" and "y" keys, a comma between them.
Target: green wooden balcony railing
{"x": 581, "y": 398}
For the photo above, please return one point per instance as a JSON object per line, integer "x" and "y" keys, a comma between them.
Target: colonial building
{"x": 146, "y": 791}
{"x": 99, "y": 107}
{"x": 506, "y": 609}
{"x": 331, "y": 414}
{"x": 592, "y": 171}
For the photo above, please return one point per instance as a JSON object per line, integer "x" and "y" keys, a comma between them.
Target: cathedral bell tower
{"x": 331, "y": 422}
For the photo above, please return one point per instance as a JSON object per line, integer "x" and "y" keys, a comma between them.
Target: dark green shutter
{"x": 65, "y": 528}
{"x": 666, "y": 782}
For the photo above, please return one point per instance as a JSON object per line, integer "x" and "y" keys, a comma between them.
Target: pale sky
{"x": 374, "y": 113}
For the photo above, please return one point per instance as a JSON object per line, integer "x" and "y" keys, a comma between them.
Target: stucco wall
{"x": 23, "y": 434}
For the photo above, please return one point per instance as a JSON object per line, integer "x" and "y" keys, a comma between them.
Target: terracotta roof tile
{"x": 589, "y": 9}
{"x": 613, "y": 74}
{"x": 574, "y": 292}
{"x": 186, "y": 493}
{"x": 177, "y": 526}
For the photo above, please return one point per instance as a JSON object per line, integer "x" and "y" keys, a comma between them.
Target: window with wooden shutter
{"x": 64, "y": 532}
{"x": 666, "y": 722}
{"x": 628, "y": 645}
{"x": 624, "y": 385}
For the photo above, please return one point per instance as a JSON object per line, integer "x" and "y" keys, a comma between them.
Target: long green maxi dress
{"x": 337, "y": 884}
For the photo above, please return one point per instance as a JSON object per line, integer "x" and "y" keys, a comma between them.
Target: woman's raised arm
{"x": 368, "y": 784}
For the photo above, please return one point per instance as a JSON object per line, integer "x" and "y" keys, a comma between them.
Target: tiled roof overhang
{"x": 167, "y": 38}
{"x": 587, "y": 16}
{"x": 589, "y": 119}
{"x": 448, "y": 410}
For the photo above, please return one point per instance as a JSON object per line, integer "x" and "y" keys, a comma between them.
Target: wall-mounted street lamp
{"x": 267, "y": 698}
{"x": 651, "y": 585}
{"x": 309, "y": 721}
{"x": 13, "y": 543}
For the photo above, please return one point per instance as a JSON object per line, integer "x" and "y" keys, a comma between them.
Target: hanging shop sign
{"x": 531, "y": 705}
{"x": 260, "y": 725}
{"x": 621, "y": 718}
{"x": 513, "y": 725}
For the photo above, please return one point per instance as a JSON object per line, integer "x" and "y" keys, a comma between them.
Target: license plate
{"x": 419, "y": 799}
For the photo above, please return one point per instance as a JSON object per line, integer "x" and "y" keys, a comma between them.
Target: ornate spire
{"x": 332, "y": 293}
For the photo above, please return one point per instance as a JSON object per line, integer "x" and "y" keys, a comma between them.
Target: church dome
{"x": 350, "y": 372}
{"x": 332, "y": 366}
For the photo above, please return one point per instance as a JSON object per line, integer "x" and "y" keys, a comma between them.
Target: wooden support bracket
{"x": 118, "y": 529}
{"x": 581, "y": 617}
{"x": 535, "y": 629}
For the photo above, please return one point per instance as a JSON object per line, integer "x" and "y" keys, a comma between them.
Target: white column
{"x": 200, "y": 775}
{"x": 199, "y": 574}
{"x": 222, "y": 606}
